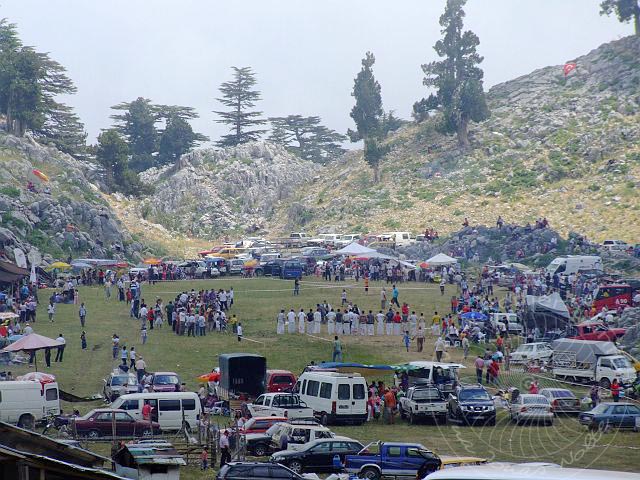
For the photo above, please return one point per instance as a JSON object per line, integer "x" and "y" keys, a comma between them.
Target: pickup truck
{"x": 595, "y": 331}
{"x": 381, "y": 459}
{"x": 423, "y": 402}
{"x": 280, "y": 405}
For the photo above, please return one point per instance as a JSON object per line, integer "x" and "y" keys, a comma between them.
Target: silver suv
{"x": 118, "y": 383}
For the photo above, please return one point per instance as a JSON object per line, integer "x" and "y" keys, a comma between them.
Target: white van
{"x": 401, "y": 239}
{"x": 569, "y": 264}
{"x": 26, "y": 402}
{"x": 334, "y": 397}
{"x": 168, "y": 408}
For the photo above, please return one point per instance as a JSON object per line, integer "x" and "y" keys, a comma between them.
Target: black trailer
{"x": 242, "y": 375}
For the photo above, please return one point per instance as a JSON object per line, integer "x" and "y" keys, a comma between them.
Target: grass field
{"x": 257, "y": 302}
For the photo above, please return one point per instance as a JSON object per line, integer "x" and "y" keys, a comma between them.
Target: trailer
{"x": 242, "y": 376}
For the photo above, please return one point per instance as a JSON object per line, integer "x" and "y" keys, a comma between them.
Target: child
{"x": 344, "y": 297}
{"x": 143, "y": 334}
{"x": 83, "y": 340}
{"x": 204, "y": 459}
{"x": 406, "y": 339}
{"x": 239, "y": 330}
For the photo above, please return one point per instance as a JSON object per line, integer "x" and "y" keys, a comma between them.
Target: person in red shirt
{"x": 146, "y": 411}
{"x": 533, "y": 387}
{"x": 615, "y": 390}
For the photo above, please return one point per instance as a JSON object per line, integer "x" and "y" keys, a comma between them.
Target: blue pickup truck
{"x": 381, "y": 459}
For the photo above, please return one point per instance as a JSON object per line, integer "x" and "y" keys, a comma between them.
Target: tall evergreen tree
{"x": 138, "y": 125}
{"x": 457, "y": 78}
{"x": 307, "y": 138}
{"x": 240, "y": 96}
{"x": 112, "y": 152}
{"x": 625, "y": 10}
{"x": 176, "y": 139}
{"x": 64, "y": 129}
{"x": 367, "y": 114}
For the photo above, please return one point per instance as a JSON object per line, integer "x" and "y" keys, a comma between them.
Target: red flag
{"x": 569, "y": 67}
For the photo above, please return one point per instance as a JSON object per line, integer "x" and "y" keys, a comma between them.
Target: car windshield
{"x": 534, "y": 399}
{"x": 165, "y": 380}
{"x": 117, "y": 381}
{"x": 603, "y": 407}
{"x": 427, "y": 394}
{"x": 562, "y": 394}
{"x": 524, "y": 348}
{"x": 474, "y": 395}
{"x": 621, "y": 363}
{"x": 273, "y": 429}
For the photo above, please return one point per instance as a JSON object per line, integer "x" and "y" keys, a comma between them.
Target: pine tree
{"x": 112, "y": 152}
{"x": 307, "y": 138}
{"x": 64, "y": 129}
{"x": 138, "y": 125}
{"x": 367, "y": 114}
{"x": 457, "y": 78}
{"x": 625, "y": 10}
{"x": 177, "y": 139}
{"x": 240, "y": 96}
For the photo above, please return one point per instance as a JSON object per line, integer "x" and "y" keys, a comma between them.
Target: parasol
{"x": 474, "y": 316}
{"x": 151, "y": 261}
{"x": 58, "y": 266}
{"x": 31, "y": 343}
{"x": 209, "y": 377}
{"x": 8, "y": 315}
{"x": 38, "y": 377}
{"x": 424, "y": 265}
{"x": 40, "y": 175}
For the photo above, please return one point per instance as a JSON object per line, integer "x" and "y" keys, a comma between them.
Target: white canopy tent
{"x": 355, "y": 249}
{"x": 440, "y": 260}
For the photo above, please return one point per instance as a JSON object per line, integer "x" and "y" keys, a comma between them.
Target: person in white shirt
{"x": 317, "y": 322}
{"x": 27, "y": 329}
{"x": 380, "y": 323}
{"x": 331, "y": 322}
{"x": 239, "y": 330}
{"x": 60, "y": 350}
{"x": 51, "y": 310}
{"x": 132, "y": 358}
{"x": 291, "y": 321}
{"x": 413, "y": 324}
{"x": 302, "y": 318}
{"x": 280, "y": 323}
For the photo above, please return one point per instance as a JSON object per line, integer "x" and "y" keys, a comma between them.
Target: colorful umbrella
{"x": 473, "y": 316}
{"x": 40, "y": 175}
{"x": 58, "y": 266}
{"x": 209, "y": 377}
{"x": 424, "y": 265}
{"x": 151, "y": 261}
{"x": 38, "y": 377}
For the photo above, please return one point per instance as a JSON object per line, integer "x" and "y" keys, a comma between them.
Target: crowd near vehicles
{"x": 422, "y": 403}
{"x": 471, "y": 404}
{"x": 108, "y": 422}
{"x": 334, "y": 397}
{"x": 119, "y": 383}
{"x": 172, "y": 410}
{"x": 280, "y": 405}
{"x": 607, "y": 415}
{"x": 26, "y": 403}
{"x": 392, "y": 459}
{"x": 443, "y": 375}
{"x": 591, "y": 361}
{"x": 613, "y": 296}
{"x": 318, "y": 455}
{"x": 528, "y": 407}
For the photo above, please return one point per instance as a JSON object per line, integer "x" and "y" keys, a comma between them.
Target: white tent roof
{"x": 441, "y": 259}
{"x": 355, "y": 249}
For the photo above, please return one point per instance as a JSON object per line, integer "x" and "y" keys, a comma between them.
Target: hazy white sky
{"x": 305, "y": 53}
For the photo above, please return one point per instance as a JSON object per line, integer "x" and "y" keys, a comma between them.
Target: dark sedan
{"x": 105, "y": 422}
{"x": 562, "y": 400}
{"x": 317, "y": 456}
{"x": 611, "y": 415}
{"x": 251, "y": 470}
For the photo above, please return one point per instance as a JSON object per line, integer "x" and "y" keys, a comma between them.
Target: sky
{"x": 305, "y": 53}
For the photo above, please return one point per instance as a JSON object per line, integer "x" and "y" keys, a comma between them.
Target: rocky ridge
{"x": 73, "y": 219}
{"x": 564, "y": 148}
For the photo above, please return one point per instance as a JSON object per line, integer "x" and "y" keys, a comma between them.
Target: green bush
{"x": 10, "y": 191}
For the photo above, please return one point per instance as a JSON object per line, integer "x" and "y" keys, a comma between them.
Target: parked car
{"x": 528, "y": 407}
{"x": 562, "y": 400}
{"x": 261, "y": 424}
{"x": 280, "y": 381}
{"x": 423, "y": 402}
{"x": 198, "y": 267}
{"x": 315, "y": 252}
{"x": 299, "y": 433}
{"x": 471, "y": 404}
{"x": 280, "y": 404}
{"x": 165, "y": 382}
{"x": 119, "y": 383}
{"x": 255, "y": 470}
{"x": 393, "y": 459}
{"x": 317, "y": 456}
{"x": 260, "y": 444}
{"x": 608, "y": 415}
{"x": 272, "y": 268}
{"x": 595, "y": 331}
{"x": 100, "y": 423}
{"x": 235, "y": 266}
{"x": 531, "y": 351}
{"x": 615, "y": 245}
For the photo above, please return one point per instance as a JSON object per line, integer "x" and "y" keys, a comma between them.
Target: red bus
{"x": 612, "y": 296}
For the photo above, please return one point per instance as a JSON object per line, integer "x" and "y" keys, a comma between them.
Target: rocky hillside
{"x": 564, "y": 148}
{"x": 212, "y": 193}
{"x": 71, "y": 219}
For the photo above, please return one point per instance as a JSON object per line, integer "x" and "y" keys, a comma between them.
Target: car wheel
{"x": 604, "y": 427}
{"x": 147, "y": 432}
{"x": 296, "y": 466}
{"x": 260, "y": 450}
{"x": 324, "y": 419}
{"x": 605, "y": 383}
{"x": 412, "y": 418}
{"x": 491, "y": 422}
{"x": 93, "y": 434}
{"x": 26, "y": 421}
{"x": 370, "y": 473}
{"x": 402, "y": 414}
{"x": 259, "y": 273}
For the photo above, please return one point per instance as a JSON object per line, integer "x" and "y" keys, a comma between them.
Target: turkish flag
{"x": 569, "y": 67}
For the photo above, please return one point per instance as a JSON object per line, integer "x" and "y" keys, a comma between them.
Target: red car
{"x": 165, "y": 382}
{"x": 261, "y": 424}
{"x": 280, "y": 381}
{"x": 100, "y": 423}
{"x": 596, "y": 331}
